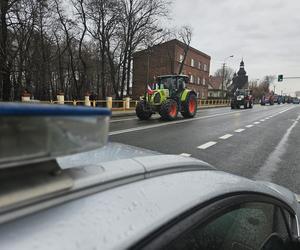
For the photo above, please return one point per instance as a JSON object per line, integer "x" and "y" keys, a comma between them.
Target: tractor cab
{"x": 174, "y": 83}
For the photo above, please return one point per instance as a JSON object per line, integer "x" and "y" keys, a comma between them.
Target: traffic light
{"x": 280, "y": 78}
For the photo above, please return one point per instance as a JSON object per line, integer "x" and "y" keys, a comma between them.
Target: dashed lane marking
{"x": 239, "y": 130}
{"x": 256, "y": 122}
{"x": 185, "y": 154}
{"x": 249, "y": 126}
{"x": 262, "y": 120}
{"x": 207, "y": 145}
{"x": 224, "y": 137}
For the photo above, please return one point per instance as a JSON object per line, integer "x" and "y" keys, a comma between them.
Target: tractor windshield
{"x": 167, "y": 82}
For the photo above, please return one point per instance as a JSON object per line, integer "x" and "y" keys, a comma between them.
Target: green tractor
{"x": 168, "y": 96}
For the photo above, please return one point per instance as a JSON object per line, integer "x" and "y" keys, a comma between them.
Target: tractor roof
{"x": 164, "y": 76}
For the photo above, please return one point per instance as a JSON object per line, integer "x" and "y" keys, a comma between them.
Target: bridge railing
{"x": 127, "y": 104}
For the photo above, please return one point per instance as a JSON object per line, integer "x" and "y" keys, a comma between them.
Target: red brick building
{"x": 165, "y": 59}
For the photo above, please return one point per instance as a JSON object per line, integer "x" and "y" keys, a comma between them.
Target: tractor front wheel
{"x": 169, "y": 110}
{"x": 141, "y": 111}
{"x": 189, "y": 108}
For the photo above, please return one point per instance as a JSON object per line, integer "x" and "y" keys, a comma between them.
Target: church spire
{"x": 242, "y": 71}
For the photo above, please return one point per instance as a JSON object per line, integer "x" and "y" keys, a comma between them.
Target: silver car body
{"x": 119, "y": 195}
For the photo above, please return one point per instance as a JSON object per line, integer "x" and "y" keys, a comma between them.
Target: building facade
{"x": 165, "y": 59}
{"x": 215, "y": 87}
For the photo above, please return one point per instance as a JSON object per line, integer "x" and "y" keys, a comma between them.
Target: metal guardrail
{"x": 127, "y": 105}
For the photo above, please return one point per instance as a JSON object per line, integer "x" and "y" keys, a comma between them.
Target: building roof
{"x": 215, "y": 82}
{"x": 177, "y": 42}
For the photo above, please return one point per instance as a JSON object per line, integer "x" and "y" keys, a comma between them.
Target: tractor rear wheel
{"x": 169, "y": 110}
{"x": 141, "y": 111}
{"x": 189, "y": 107}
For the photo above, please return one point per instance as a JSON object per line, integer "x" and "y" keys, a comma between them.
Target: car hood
{"x": 110, "y": 152}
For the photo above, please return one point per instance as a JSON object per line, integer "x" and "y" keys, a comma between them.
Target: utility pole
{"x": 223, "y": 74}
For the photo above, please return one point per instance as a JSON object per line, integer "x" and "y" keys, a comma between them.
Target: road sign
{"x": 280, "y": 78}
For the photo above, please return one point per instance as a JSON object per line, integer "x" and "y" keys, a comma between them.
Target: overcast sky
{"x": 266, "y": 33}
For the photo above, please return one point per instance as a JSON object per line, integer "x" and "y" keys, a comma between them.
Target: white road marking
{"x": 262, "y": 120}
{"x": 224, "y": 137}
{"x": 185, "y": 154}
{"x": 126, "y": 119}
{"x": 123, "y": 131}
{"x": 249, "y": 126}
{"x": 256, "y": 122}
{"x": 239, "y": 130}
{"x": 207, "y": 145}
{"x": 273, "y": 162}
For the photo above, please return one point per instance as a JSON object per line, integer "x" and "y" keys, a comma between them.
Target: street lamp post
{"x": 223, "y": 73}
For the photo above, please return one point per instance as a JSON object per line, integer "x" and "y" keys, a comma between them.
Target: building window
{"x": 192, "y": 79}
{"x": 180, "y": 58}
{"x": 203, "y": 81}
{"x": 199, "y": 65}
{"x": 198, "y": 80}
{"x": 205, "y": 67}
{"x": 192, "y": 62}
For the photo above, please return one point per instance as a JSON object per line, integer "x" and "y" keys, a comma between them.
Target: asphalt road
{"x": 262, "y": 143}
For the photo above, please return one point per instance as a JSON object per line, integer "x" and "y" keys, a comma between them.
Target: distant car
{"x": 267, "y": 99}
{"x": 296, "y": 100}
{"x": 123, "y": 197}
{"x": 278, "y": 99}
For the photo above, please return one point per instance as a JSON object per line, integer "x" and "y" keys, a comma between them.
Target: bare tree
{"x": 226, "y": 74}
{"x": 67, "y": 26}
{"x": 46, "y": 50}
{"x": 81, "y": 12}
{"x": 139, "y": 19}
{"x": 185, "y": 36}
{"x": 5, "y": 49}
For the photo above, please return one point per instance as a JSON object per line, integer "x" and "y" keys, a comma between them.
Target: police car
{"x": 64, "y": 187}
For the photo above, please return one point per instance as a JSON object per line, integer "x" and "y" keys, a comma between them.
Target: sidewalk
{"x": 132, "y": 112}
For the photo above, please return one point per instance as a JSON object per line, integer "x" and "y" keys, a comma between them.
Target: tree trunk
{"x": 5, "y": 83}
{"x": 128, "y": 74}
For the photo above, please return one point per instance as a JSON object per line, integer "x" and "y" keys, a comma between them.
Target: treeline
{"x": 263, "y": 87}
{"x": 74, "y": 46}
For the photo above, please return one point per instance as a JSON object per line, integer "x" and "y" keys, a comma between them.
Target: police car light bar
{"x": 31, "y": 133}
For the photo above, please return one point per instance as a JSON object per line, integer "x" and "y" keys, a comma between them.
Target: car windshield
{"x": 193, "y": 81}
